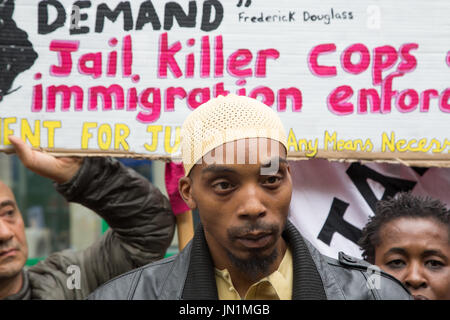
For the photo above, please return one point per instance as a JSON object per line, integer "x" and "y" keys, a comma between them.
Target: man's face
{"x": 13, "y": 245}
{"x": 243, "y": 207}
{"x": 417, "y": 252}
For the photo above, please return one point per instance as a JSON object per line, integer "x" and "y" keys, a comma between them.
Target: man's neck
{"x": 11, "y": 286}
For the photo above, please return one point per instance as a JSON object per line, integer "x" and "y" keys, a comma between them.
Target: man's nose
{"x": 415, "y": 278}
{"x": 5, "y": 231}
{"x": 251, "y": 205}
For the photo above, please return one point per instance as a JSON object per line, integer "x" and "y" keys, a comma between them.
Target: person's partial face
{"x": 417, "y": 252}
{"x": 243, "y": 207}
{"x": 13, "y": 245}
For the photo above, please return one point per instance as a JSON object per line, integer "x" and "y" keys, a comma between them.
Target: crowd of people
{"x": 244, "y": 247}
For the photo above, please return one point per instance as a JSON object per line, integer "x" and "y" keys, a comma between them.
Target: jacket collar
{"x": 25, "y": 291}
{"x": 200, "y": 282}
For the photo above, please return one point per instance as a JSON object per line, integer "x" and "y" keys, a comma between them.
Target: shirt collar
{"x": 277, "y": 285}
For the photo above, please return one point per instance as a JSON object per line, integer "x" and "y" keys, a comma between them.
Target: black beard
{"x": 256, "y": 265}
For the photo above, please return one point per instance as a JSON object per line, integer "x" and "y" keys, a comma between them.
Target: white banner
{"x": 121, "y": 76}
{"x": 331, "y": 201}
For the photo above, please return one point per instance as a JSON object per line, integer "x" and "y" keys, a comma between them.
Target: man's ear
{"x": 185, "y": 188}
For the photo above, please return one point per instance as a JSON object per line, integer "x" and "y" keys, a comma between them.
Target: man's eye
{"x": 272, "y": 181}
{"x": 223, "y": 186}
{"x": 396, "y": 264}
{"x": 8, "y": 213}
{"x": 433, "y": 264}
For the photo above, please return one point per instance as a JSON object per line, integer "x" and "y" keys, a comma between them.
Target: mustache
{"x": 9, "y": 245}
{"x": 253, "y": 228}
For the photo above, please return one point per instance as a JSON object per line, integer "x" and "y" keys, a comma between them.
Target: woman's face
{"x": 417, "y": 252}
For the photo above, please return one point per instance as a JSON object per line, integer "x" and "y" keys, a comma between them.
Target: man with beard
{"x": 234, "y": 153}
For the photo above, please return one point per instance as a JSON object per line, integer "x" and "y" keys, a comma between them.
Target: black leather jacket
{"x": 171, "y": 278}
{"x": 142, "y": 227}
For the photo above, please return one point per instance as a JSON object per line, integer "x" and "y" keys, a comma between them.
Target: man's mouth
{"x": 255, "y": 240}
{"x": 420, "y": 297}
{"x": 8, "y": 252}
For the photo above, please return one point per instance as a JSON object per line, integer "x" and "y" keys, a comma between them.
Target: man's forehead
{"x": 264, "y": 163}
{"x": 267, "y": 167}
{"x": 5, "y": 192}
{"x": 245, "y": 151}
{"x": 244, "y": 154}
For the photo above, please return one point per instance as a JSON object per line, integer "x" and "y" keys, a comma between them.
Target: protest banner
{"x": 361, "y": 82}
{"x": 332, "y": 201}
{"x": 365, "y": 80}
